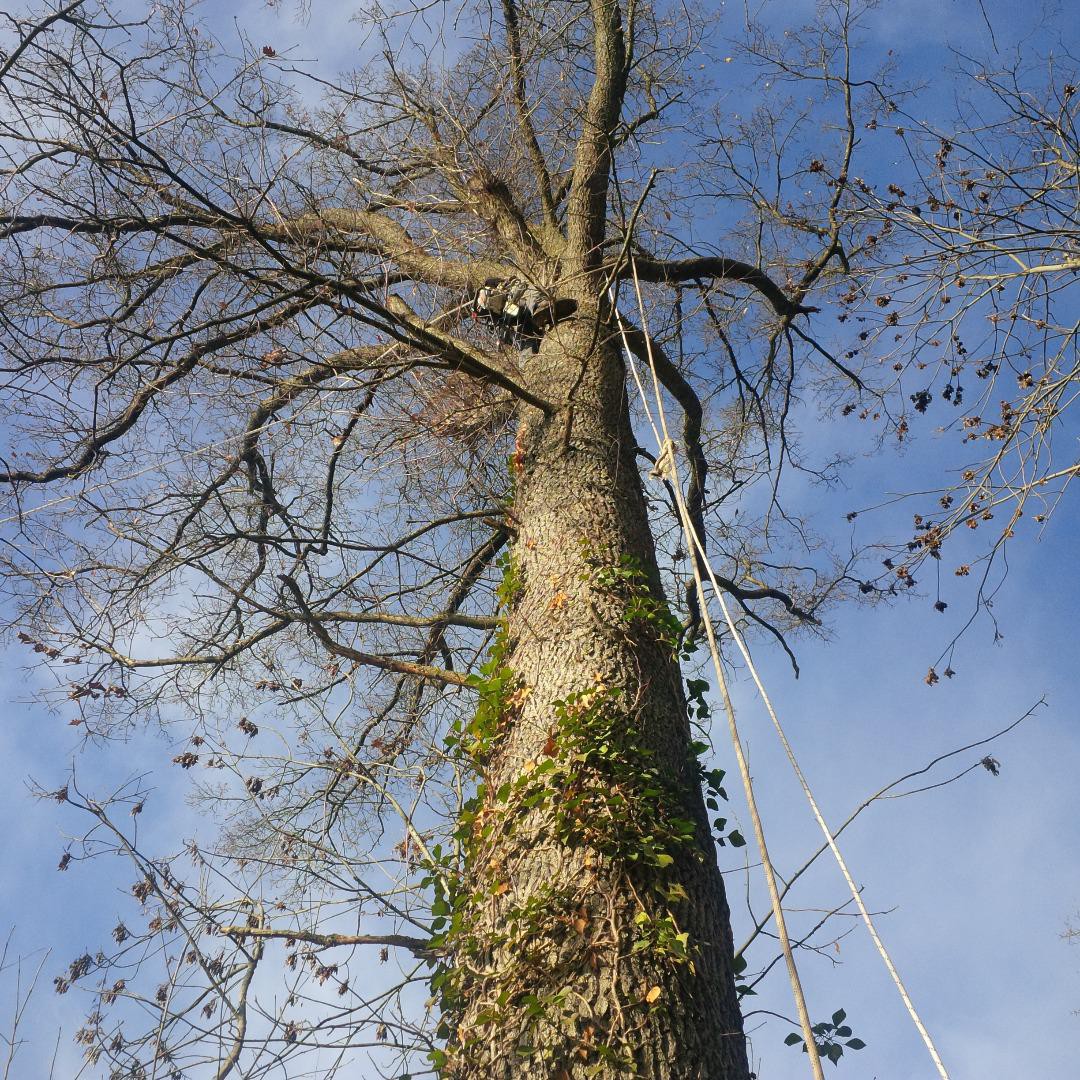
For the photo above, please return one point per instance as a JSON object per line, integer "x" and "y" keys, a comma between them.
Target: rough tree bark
{"x": 595, "y": 938}
{"x": 602, "y": 941}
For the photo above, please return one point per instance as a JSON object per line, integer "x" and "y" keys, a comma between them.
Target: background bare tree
{"x": 392, "y": 582}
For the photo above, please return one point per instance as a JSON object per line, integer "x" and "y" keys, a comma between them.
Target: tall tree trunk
{"x": 592, "y": 936}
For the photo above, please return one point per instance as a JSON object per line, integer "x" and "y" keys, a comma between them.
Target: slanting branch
{"x": 887, "y": 792}
{"x": 63, "y": 15}
{"x": 240, "y": 1013}
{"x": 673, "y": 272}
{"x": 386, "y": 663}
{"x": 95, "y": 445}
{"x": 673, "y": 381}
{"x": 524, "y": 116}
{"x": 649, "y": 353}
{"x": 459, "y": 355}
{"x": 385, "y": 237}
{"x": 586, "y": 208}
{"x": 417, "y": 946}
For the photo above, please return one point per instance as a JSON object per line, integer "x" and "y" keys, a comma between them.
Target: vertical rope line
{"x": 666, "y": 456}
{"x": 698, "y": 549}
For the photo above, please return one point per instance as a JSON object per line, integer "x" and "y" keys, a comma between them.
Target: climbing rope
{"x": 665, "y": 460}
{"x": 700, "y": 558}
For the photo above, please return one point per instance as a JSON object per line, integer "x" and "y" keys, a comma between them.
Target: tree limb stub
{"x": 415, "y": 945}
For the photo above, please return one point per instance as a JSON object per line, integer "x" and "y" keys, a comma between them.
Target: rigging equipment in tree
{"x": 519, "y": 312}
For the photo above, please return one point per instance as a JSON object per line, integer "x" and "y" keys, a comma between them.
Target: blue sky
{"x": 976, "y": 880}
{"x": 978, "y": 877}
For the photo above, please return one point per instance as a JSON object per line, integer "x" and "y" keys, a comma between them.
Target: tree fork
{"x": 591, "y": 934}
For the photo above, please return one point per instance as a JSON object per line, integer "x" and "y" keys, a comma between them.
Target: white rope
{"x": 698, "y": 551}
{"x": 666, "y": 457}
